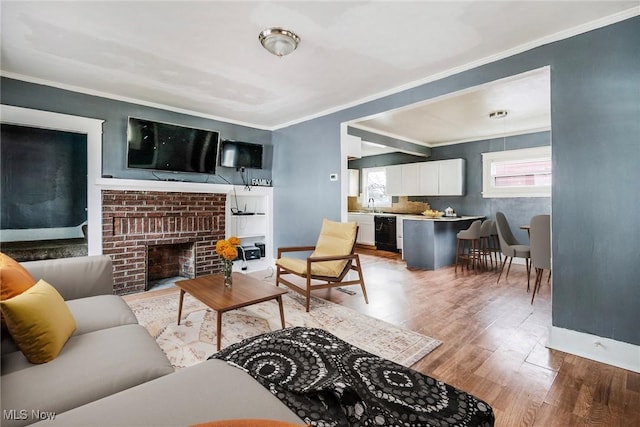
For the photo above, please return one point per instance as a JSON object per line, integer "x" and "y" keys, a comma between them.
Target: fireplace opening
{"x": 168, "y": 263}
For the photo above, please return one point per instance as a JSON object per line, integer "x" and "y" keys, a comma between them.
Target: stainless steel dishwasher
{"x": 385, "y": 232}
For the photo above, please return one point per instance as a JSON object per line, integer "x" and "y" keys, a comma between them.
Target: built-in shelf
{"x": 249, "y": 217}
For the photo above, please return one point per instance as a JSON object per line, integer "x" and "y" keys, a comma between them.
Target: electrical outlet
{"x": 333, "y": 177}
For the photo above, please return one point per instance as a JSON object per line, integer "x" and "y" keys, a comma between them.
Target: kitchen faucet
{"x": 372, "y": 204}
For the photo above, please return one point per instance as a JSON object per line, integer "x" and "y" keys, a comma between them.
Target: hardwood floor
{"x": 494, "y": 344}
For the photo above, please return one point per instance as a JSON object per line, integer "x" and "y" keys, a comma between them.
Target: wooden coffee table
{"x": 245, "y": 291}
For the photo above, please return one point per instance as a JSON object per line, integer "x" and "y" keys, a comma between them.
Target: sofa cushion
{"x": 211, "y": 390}
{"x": 39, "y": 322}
{"x": 91, "y": 314}
{"x": 89, "y": 367}
{"x": 100, "y": 312}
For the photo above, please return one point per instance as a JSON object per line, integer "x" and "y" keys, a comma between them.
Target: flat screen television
{"x": 172, "y": 148}
{"x": 236, "y": 154}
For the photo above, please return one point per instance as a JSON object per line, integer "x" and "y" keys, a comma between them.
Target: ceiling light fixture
{"x": 279, "y": 41}
{"x": 498, "y": 114}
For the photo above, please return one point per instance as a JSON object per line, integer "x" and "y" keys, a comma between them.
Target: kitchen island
{"x": 430, "y": 243}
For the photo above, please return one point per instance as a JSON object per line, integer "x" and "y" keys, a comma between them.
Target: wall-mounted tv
{"x": 168, "y": 147}
{"x": 236, "y": 154}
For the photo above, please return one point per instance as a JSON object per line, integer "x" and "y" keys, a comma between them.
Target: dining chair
{"x": 540, "y": 246}
{"x": 468, "y": 246}
{"x": 494, "y": 243}
{"x": 510, "y": 246}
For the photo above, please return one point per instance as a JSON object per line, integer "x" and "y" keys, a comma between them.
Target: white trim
{"x": 171, "y": 186}
{"x": 90, "y": 127}
{"x": 616, "y": 353}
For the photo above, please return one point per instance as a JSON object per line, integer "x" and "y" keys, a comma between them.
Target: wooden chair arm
{"x": 294, "y": 249}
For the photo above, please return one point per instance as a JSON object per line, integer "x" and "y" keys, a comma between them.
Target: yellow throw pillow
{"x": 39, "y": 321}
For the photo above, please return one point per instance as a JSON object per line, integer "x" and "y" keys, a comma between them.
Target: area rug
{"x": 194, "y": 340}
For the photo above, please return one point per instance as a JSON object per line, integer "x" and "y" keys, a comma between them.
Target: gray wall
{"x": 114, "y": 139}
{"x": 595, "y": 99}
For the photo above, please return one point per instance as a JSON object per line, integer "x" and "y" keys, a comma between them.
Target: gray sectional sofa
{"x": 111, "y": 372}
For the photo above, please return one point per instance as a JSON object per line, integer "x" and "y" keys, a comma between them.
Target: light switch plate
{"x": 333, "y": 177}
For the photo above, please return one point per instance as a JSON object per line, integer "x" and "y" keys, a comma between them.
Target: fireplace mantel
{"x": 159, "y": 185}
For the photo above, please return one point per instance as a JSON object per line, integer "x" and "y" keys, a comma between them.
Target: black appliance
{"x": 172, "y": 148}
{"x": 262, "y": 248}
{"x": 385, "y": 233}
{"x": 236, "y": 154}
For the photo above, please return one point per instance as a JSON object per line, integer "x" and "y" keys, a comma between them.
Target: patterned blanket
{"x": 328, "y": 382}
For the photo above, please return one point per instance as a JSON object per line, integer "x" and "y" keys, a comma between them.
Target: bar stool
{"x": 468, "y": 245}
{"x": 485, "y": 243}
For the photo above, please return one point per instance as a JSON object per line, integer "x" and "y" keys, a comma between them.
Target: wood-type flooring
{"x": 494, "y": 343}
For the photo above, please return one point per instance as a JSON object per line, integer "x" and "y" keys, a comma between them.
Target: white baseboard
{"x": 616, "y": 353}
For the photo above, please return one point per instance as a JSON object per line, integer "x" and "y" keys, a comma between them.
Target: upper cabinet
{"x": 435, "y": 178}
{"x": 402, "y": 180}
{"x": 353, "y": 146}
{"x": 451, "y": 177}
{"x": 393, "y": 185}
{"x": 354, "y": 182}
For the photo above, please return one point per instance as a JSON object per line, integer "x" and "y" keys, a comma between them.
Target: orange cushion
{"x": 248, "y": 423}
{"x": 14, "y": 279}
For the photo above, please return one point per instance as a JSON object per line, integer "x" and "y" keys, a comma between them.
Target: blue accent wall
{"x": 595, "y": 101}
{"x": 114, "y": 140}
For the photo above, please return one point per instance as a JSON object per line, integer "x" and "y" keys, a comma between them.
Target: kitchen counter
{"x": 417, "y": 216}
{"x": 430, "y": 243}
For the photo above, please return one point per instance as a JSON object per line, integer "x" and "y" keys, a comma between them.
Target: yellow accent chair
{"x": 332, "y": 259}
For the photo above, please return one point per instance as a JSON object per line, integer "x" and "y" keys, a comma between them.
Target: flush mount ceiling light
{"x": 279, "y": 41}
{"x": 499, "y": 114}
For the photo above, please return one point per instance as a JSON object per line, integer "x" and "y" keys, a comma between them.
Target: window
{"x": 517, "y": 173}
{"x": 374, "y": 182}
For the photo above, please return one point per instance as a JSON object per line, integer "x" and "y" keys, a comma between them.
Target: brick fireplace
{"x": 143, "y": 226}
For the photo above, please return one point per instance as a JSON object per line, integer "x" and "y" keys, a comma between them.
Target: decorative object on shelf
{"x": 432, "y": 213}
{"x": 227, "y": 249}
{"x": 279, "y": 41}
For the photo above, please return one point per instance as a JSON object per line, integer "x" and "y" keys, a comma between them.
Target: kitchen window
{"x": 517, "y": 173}
{"x": 374, "y": 182}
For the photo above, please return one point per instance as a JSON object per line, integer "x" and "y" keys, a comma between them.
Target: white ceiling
{"x": 204, "y": 57}
{"x": 465, "y": 116}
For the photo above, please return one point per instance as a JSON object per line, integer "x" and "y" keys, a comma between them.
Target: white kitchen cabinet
{"x": 353, "y": 146}
{"x": 442, "y": 178}
{"x": 366, "y": 230}
{"x": 410, "y": 179}
{"x": 428, "y": 178}
{"x": 354, "y": 182}
{"x": 402, "y": 180}
{"x": 451, "y": 177}
{"x": 394, "y": 180}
